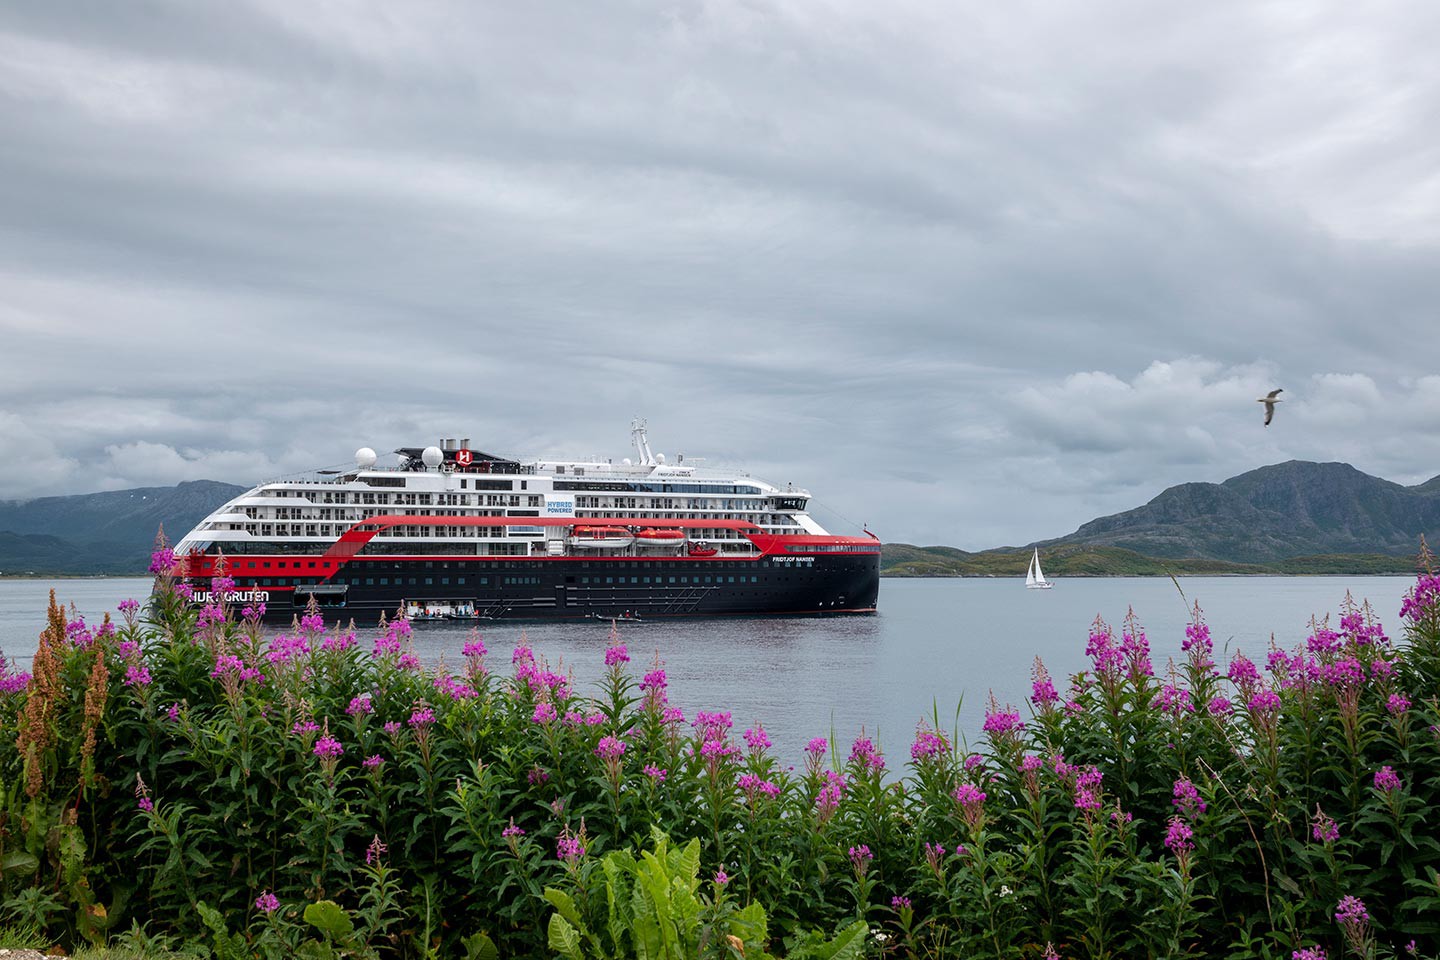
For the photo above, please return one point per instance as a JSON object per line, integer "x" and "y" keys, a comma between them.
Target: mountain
{"x": 101, "y": 532}
{"x": 1275, "y": 513}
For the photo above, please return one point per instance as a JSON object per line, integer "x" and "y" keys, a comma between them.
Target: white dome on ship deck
{"x": 365, "y": 457}
{"x": 432, "y": 457}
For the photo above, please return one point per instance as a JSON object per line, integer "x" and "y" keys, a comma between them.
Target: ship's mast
{"x": 641, "y": 443}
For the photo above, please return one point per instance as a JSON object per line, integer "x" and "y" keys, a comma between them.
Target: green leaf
{"x": 849, "y": 943}
{"x": 564, "y": 939}
{"x": 563, "y": 903}
{"x": 327, "y": 917}
{"x": 480, "y": 947}
{"x": 19, "y": 863}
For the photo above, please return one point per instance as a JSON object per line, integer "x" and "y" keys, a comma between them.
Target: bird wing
{"x": 1269, "y": 413}
{"x": 1272, "y": 394}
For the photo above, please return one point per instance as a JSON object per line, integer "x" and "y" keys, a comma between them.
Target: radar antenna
{"x": 641, "y": 443}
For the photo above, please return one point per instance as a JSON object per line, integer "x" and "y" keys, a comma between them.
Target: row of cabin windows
{"x": 682, "y": 579}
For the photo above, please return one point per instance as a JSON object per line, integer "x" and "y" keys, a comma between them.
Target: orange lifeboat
{"x": 659, "y": 537}
{"x": 600, "y": 538}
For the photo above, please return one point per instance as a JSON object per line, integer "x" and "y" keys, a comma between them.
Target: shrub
{"x": 310, "y": 793}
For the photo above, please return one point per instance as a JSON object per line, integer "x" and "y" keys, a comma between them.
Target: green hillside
{"x": 906, "y": 560}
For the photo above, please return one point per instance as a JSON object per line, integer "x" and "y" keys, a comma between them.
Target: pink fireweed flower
{"x": 421, "y": 716}
{"x": 900, "y": 903}
{"x": 184, "y": 589}
{"x": 1042, "y": 688}
{"x": 302, "y": 727}
{"x": 1180, "y": 838}
{"x": 375, "y": 851}
{"x": 712, "y": 726}
{"x": 930, "y": 744}
{"x": 162, "y": 562}
{"x": 655, "y": 773}
{"x": 373, "y": 763}
{"x": 1243, "y": 673}
{"x": 1088, "y": 790}
{"x": 536, "y": 776}
{"x": 327, "y": 747}
{"x": 570, "y": 847}
{"x": 544, "y": 713}
{"x": 1382, "y": 670}
{"x": 1180, "y": 841}
{"x": 253, "y": 611}
{"x": 1322, "y": 828}
{"x": 860, "y": 857}
{"x": 128, "y": 607}
{"x": 1398, "y": 704}
{"x": 1219, "y": 707}
{"x": 1135, "y": 648}
{"x": 1002, "y": 724}
{"x": 1102, "y": 651}
{"x": 673, "y": 715}
{"x": 814, "y": 754}
{"x": 1316, "y": 952}
{"x": 653, "y": 686}
{"x": 1197, "y": 642}
{"x": 146, "y": 804}
{"x": 474, "y": 648}
{"x": 1386, "y": 780}
{"x": 1351, "y": 910}
{"x": 1322, "y": 640}
{"x": 1265, "y": 702}
{"x": 393, "y": 728}
{"x": 864, "y": 752}
{"x": 1354, "y": 920}
{"x": 757, "y": 740}
{"x": 338, "y": 642}
{"x": 1187, "y": 799}
{"x": 512, "y": 830}
{"x": 408, "y": 661}
{"x": 616, "y": 655}
{"x": 173, "y": 714}
{"x": 137, "y": 675}
{"x": 827, "y": 801}
{"x": 721, "y": 878}
{"x": 972, "y": 804}
{"x": 1050, "y": 952}
{"x": 935, "y": 854}
{"x": 610, "y": 748}
{"x": 1423, "y": 600}
{"x": 267, "y": 902}
{"x": 360, "y": 707}
{"x": 1174, "y": 700}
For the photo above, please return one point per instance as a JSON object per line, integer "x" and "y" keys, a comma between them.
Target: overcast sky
{"x": 973, "y": 273}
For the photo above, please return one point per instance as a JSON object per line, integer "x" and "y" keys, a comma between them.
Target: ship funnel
{"x": 465, "y": 444}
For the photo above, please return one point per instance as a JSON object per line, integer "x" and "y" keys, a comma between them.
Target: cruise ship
{"x": 451, "y": 532}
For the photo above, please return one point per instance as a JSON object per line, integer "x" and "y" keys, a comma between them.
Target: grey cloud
{"x": 873, "y": 250}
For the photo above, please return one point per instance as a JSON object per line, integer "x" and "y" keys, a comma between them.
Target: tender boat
{"x": 601, "y": 538}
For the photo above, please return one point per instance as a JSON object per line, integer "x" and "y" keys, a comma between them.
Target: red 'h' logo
{"x": 464, "y": 457}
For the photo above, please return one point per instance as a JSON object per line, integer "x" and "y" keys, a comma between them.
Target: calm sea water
{"x": 939, "y": 645}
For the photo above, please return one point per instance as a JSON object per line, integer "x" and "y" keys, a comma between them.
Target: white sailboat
{"x": 1034, "y": 577}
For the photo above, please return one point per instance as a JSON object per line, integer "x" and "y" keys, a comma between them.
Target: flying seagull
{"x": 1270, "y": 399}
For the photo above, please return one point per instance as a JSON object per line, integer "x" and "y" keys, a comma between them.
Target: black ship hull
{"x": 569, "y": 588}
